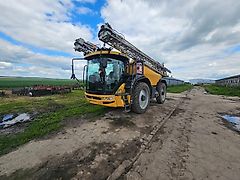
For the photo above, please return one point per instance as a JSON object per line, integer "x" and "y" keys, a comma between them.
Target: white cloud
{"x": 203, "y": 61}
{"x": 86, "y": 1}
{"x": 35, "y": 71}
{"x": 19, "y": 61}
{"x": 85, "y": 11}
{"x": 5, "y": 65}
{"x": 43, "y": 24}
{"x": 192, "y": 38}
{"x": 186, "y": 35}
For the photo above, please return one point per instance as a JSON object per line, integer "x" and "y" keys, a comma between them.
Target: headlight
{"x": 107, "y": 98}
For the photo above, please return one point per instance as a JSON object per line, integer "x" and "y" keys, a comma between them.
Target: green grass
{"x": 179, "y": 88}
{"x": 14, "y": 82}
{"x": 52, "y": 111}
{"x": 222, "y": 90}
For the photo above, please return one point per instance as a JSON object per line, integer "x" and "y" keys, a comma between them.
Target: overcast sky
{"x": 194, "y": 39}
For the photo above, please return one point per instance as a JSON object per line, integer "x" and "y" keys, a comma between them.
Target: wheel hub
{"x": 143, "y": 98}
{"x": 163, "y": 94}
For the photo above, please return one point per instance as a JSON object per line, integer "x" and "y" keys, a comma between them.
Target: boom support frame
{"x": 117, "y": 41}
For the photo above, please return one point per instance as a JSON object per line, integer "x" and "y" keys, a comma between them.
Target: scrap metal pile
{"x": 12, "y": 119}
{"x": 41, "y": 90}
{"x": 2, "y": 93}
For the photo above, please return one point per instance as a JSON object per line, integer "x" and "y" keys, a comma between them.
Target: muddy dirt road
{"x": 185, "y": 138}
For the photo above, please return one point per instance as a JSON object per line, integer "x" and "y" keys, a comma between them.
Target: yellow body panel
{"x": 153, "y": 76}
{"x": 108, "y": 100}
{"x": 105, "y": 100}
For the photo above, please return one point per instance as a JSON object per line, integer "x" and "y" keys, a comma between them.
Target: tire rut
{"x": 158, "y": 129}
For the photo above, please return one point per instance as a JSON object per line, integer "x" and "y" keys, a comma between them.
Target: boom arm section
{"x": 117, "y": 41}
{"x": 86, "y": 47}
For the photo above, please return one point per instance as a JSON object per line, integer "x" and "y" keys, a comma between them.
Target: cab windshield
{"x": 103, "y": 75}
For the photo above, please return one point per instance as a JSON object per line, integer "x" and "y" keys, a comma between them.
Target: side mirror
{"x": 73, "y": 76}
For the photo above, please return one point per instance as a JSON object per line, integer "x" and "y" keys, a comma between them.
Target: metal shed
{"x": 229, "y": 81}
{"x": 172, "y": 81}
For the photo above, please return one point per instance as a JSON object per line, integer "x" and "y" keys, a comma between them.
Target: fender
{"x": 139, "y": 78}
{"x": 163, "y": 81}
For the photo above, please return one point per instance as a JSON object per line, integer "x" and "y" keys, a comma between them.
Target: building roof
{"x": 230, "y": 77}
{"x": 171, "y": 78}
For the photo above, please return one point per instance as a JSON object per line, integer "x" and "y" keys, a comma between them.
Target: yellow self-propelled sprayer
{"x": 128, "y": 78}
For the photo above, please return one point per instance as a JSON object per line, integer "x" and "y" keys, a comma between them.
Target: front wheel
{"x": 162, "y": 92}
{"x": 141, "y": 98}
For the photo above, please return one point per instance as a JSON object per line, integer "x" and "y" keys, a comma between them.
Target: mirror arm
{"x": 73, "y": 76}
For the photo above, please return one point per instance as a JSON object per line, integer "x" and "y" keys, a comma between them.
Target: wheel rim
{"x": 163, "y": 93}
{"x": 143, "y": 98}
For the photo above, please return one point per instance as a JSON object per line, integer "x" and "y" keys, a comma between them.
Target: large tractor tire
{"x": 141, "y": 98}
{"x": 162, "y": 92}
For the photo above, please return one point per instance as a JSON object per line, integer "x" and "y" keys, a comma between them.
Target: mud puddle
{"x": 121, "y": 122}
{"x": 233, "y": 122}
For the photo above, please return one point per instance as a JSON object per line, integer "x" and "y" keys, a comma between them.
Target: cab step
{"x": 127, "y": 107}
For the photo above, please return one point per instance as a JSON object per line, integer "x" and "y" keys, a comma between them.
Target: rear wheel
{"x": 141, "y": 98}
{"x": 162, "y": 91}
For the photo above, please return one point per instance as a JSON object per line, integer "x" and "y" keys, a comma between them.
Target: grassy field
{"x": 13, "y": 82}
{"x": 51, "y": 111}
{"x": 179, "y": 88}
{"x": 222, "y": 90}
